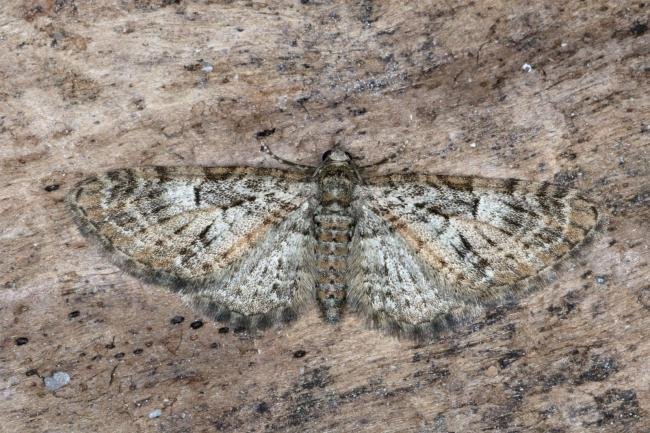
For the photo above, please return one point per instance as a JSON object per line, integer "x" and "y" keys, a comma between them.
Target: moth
{"x": 413, "y": 253}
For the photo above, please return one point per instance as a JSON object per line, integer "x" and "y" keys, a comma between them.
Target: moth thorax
{"x": 338, "y": 195}
{"x": 336, "y": 173}
{"x": 336, "y": 189}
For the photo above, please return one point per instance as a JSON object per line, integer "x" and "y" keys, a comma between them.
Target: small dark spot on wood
{"x": 138, "y": 351}
{"x": 194, "y": 66}
{"x": 639, "y": 28}
{"x": 302, "y": 100}
{"x": 52, "y": 187}
{"x": 215, "y": 345}
{"x": 21, "y": 341}
{"x": 262, "y": 407}
{"x": 510, "y": 330}
{"x": 119, "y": 355}
{"x": 31, "y": 372}
{"x": 315, "y": 378}
{"x": 196, "y": 324}
{"x": 510, "y": 357}
{"x": 599, "y": 370}
{"x": 176, "y": 320}
{"x": 569, "y": 156}
{"x": 265, "y": 133}
{"x": 223, "y": 330}
{"x": 618, "y": 406}
{"x": 299, "y": 353}
{"x": 357, "y": 111}
{"x": 567, "y": 304}
{"x": 73, "y": 314}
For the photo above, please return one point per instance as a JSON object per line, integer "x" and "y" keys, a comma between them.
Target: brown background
{"x": 87, "y": 86}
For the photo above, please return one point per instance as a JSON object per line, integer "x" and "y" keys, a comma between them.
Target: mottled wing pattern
{"x": 433, "y": 250}
{"x": 235, "y": 241}
{"x": 391, "y": 284}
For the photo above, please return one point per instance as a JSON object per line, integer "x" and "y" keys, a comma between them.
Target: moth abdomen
{"x": 333, "y": 225}
{"x": 332, "y": 248}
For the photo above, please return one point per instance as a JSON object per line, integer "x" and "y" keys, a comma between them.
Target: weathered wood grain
{"x": 88, "y": 86}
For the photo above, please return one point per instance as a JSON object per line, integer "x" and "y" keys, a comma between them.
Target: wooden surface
{"x": 87, "y": 86}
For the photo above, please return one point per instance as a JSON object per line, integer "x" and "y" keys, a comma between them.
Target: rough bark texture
{"x": 536, "y": 90}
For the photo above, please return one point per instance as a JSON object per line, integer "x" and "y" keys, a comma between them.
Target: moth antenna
{"x": 390, "y": 158}
{"x": 266, "y": 149}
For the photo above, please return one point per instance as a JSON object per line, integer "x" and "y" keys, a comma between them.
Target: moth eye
{"x": 326, "y": 155}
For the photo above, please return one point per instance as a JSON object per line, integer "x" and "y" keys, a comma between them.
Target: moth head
{"x": 336, "y": 155}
